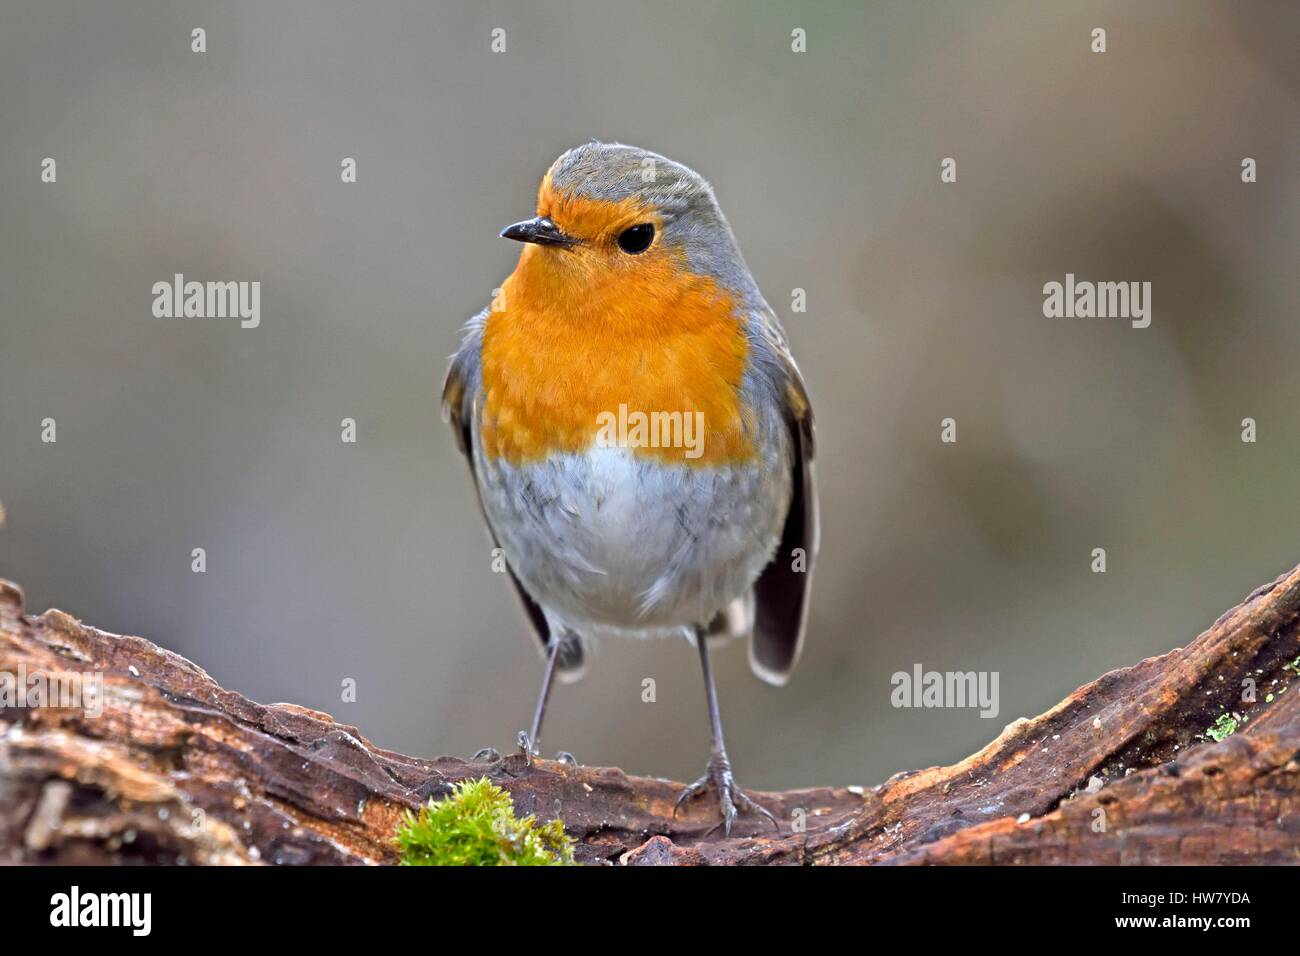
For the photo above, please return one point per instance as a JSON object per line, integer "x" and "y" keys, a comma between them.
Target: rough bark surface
{"x": 177, "y": 769}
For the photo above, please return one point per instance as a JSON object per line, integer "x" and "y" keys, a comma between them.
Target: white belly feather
{"x": 611, "y": 541}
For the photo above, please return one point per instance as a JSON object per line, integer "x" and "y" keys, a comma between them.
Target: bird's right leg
{"x": 529, "y": 740}
{"x": 533, "y": 739}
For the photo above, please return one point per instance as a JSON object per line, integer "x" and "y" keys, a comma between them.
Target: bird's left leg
{"x": 718, "y": 774}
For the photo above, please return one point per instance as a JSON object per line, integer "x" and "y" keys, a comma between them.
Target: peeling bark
{"x": 178, "y": 769}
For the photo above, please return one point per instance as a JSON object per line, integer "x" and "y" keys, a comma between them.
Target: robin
{"x": 637, "y": 430}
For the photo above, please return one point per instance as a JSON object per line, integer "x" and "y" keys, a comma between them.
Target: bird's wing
{"x": 782, "y": 590}
{"x": 461, "y": 395}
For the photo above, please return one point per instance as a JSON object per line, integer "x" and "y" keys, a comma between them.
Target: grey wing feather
{"x": 782, "y": 590}
{"x": 461, "y": 392}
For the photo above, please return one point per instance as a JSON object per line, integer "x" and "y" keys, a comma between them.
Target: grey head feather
{"x": 692, "y": 218}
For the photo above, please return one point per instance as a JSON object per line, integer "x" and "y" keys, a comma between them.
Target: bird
{"x": 639, "y": 435}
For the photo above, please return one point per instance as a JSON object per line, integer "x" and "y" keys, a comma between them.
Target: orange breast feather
{"x": 585, "y": 341}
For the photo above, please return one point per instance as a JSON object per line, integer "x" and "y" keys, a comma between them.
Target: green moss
{"x": 1225, "y": 726}
{"x": 476, "y": 826}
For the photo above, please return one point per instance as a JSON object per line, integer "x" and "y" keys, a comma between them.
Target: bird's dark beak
{"x": 540, "y": 230}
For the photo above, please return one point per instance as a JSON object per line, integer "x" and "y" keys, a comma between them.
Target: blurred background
{"x": 328, "y": 561}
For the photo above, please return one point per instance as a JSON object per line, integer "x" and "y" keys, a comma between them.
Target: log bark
{"x": 177, "y": 769}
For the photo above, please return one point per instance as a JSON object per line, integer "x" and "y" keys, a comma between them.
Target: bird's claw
{"x": 731, "y": 799}
{"x": 526, "y": 747}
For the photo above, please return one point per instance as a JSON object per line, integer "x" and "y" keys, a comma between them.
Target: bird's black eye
{"x": 637, "y": 238}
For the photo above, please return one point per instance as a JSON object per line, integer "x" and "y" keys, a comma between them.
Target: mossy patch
{"x": 476, "y": 826}
{"x": 1224, "y": 727}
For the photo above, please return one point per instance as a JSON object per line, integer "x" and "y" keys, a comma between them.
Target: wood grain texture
{"x": 178, "y": 769}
